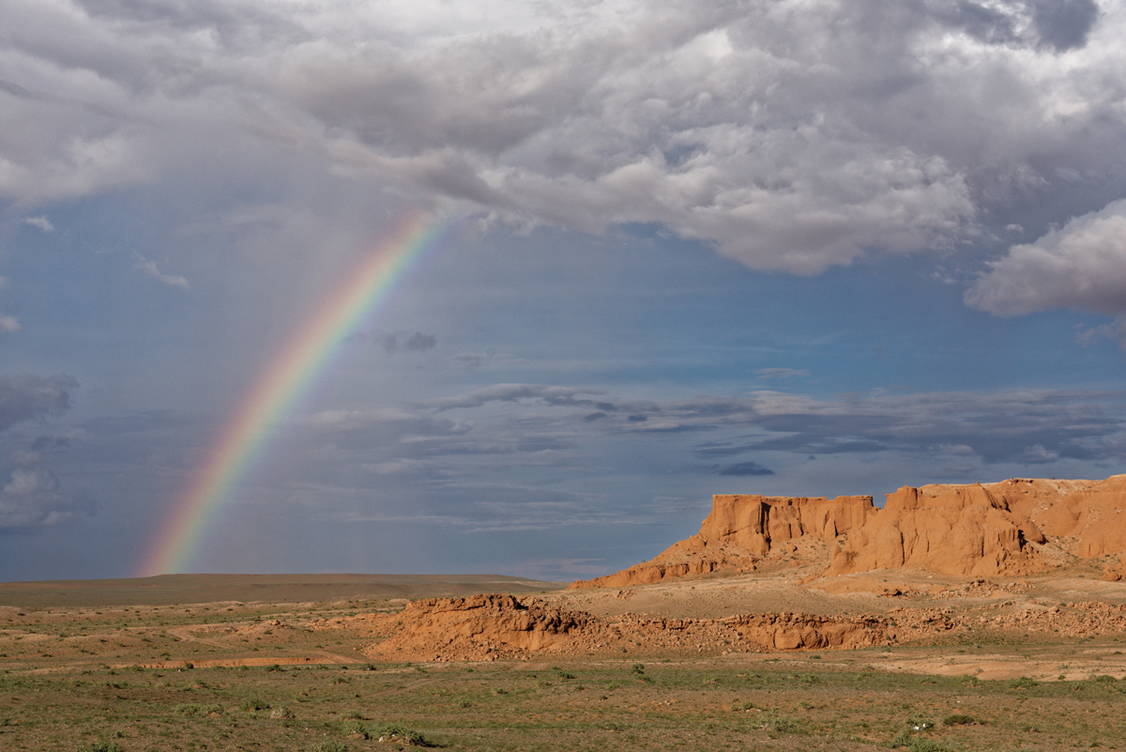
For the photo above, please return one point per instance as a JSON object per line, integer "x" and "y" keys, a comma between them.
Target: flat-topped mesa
{"x": 742, "y": 530}
{"x": 1015, "y": 527}
{"x": 1018, "y": 526}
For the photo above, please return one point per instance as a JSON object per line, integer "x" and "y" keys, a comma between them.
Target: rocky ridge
{"x": 745, "y": 532}
{"x": 492, "y": 627}
{"x": 497, "y": 627}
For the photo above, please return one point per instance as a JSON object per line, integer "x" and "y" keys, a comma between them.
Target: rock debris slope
{"x": 490, "y": 627}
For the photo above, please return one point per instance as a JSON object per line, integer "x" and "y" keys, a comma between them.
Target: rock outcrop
{"x": 481, "y": 627}
{"x": 491, "y": 627}
{"x": 1014, "y": 527}
{"x": 743, "y": 531}
{"x": 958, "y": 530}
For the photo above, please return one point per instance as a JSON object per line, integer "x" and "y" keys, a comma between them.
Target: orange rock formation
{"x": 1018, "y": 526}
{"x": 743, "y": 530}
{"x": 489, "y": 627}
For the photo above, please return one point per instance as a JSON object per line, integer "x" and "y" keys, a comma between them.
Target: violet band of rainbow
{"x": 273, "y": 395}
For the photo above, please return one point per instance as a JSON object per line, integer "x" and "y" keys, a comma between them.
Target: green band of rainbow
{"x": 277, "y": 390}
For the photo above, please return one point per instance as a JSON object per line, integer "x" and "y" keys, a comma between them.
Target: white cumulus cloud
{"x": 1081, "y": 266}
{"x": 150, "y": 269}
{"x": 41, "y": 223}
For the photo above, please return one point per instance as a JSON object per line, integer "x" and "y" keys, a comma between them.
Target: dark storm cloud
{"x": 27, "y": 397}
{"x": 1059, "y": 25}
{"x": 1064, "y": 24}
{"x": 790, "y": 136}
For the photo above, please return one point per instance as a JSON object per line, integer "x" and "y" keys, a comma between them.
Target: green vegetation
{"x": 145, "y": 680}
{"x": 696, "y": 704}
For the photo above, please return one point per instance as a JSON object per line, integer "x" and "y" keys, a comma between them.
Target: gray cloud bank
{"x": 436, "y": 463}
{"x": 28, "y": 397}
{"x": 1023, "y": 426}
{"x": 792, "y": 135}
{"x": 30, "y": 493}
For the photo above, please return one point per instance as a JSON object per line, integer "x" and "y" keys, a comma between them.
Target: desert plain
{"x": 972, "y": 617}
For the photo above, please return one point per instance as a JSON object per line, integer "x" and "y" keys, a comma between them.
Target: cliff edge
{"x": 1018, "y": 526}
{"x": 745, "y": 532}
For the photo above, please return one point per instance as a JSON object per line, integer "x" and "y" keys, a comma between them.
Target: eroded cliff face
{"x": 744, "y": 531}
{"x": 1014, "y": 527}
{"x": 1017, "y": 526}
{"x": 959, "y": 530}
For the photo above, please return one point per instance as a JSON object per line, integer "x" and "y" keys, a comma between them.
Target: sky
{"x": 797, "y": 247}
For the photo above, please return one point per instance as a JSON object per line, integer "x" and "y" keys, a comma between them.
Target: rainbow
{"x": 277, "y": 390}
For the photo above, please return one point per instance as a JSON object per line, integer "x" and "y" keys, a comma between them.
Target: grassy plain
{"x": 270, "y": 675}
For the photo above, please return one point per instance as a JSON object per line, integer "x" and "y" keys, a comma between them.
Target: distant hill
{"x": 273, "y": 588}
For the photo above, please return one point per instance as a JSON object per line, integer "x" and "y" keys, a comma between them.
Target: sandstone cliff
{"x": 744, "y": 531}
{"x": 1014, "y": 527}
{"x": 1017, "y": 526}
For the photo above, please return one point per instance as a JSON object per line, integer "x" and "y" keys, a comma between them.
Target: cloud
{"x": 486, "y": 359}
{"x": 1005, "y": 426}
{"x": 1053, "y": 25}
{"x": 30, "y": 494}
{"x": 1064, "y": 24}
{"x": 510, "y": 509}
{"x": 381, "y": 428}
{"x": 414, "y": 342}
{"x": 998, "y": 427}
{"x": 9, "y": 324}
{"x": 397, "y": 342}
{"x": 788, "y": 135}
{"x": 31, "y": 497}
{"x": 549, "y": 395}
{"x": 40, "y": 223}
{"x": 1081, "y": 266}
{"x": 745, "y": 469}
{"x": 1114, "y": 331}
{"x": 25, "y": 398}
{"x": 149, "y": 268}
